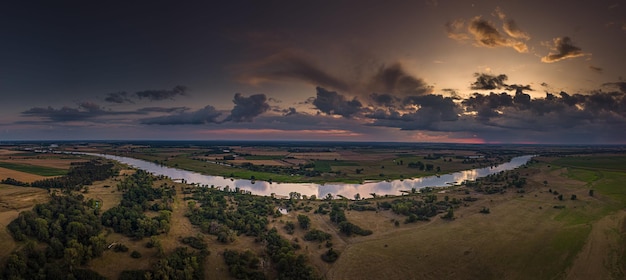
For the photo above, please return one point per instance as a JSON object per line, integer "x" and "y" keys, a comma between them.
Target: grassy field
{"x": 524, "y": 237}
{"x": 34, "y": 169}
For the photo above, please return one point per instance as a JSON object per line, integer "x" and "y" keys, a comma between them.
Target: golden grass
{"x": 4, "y": 152}
{"x": 18, "y": 175}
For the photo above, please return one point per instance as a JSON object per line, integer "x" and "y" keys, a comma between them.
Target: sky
{"x": 461, "y": 71}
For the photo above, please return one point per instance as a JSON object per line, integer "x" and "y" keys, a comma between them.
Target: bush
{"x": 330, "y": 256}
{"x": 194, "y": 242}
{"x": 316, "y": 234}
{"x": 135, "y": 255}
{"x": 290, "y": 227}
{"x": 120, "y": 248}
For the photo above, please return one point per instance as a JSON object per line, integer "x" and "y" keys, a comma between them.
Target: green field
{"x": 604, "y": 174}
{"x": 34, "y": 169}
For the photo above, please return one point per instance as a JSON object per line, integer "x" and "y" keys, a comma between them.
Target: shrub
{"x": 330, "y": 256}
{"x": 120, "y": 248}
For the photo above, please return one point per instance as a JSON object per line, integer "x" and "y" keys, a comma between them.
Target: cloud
{"x": 85, "y": 111}
{"x": 333, "y": 103}
{"x": 619, "y": 85}
{"x": 246, "y": 108}
{"x": 422, "y": 112}
{"x": 510, "y": 26}
{"x": 393, "y": 79}
{"x": 383, "y": 99}
{"x": 596, "y": 69}
{"x": 288, "y": 65}
{"x": 491, "y": 82}
{"x": 488, "y": 82}
{"x": 561, "y": 48}
{"x": 456, "y": 30}
{"x": 151, "y": 95}
{"x": 118, "y": 97}
{"x": 156, "y": 95}
{"x": 452, "y": 92}
{"x": 290, "y": 111}
{"x": 485, "y": 33}
{"x": 205, "y": 115}
{"x": 162, "y": 109}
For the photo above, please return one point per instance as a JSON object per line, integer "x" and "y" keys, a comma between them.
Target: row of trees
{"x": 497, "y": 183}
{"x": 79, "y": 175}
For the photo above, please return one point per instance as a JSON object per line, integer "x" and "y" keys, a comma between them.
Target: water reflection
{"x": 336, "y": 189}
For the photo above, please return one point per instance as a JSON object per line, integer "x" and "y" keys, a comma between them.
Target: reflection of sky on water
{"x": 347, "y": 190}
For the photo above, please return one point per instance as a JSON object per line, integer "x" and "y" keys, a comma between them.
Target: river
{"x": 347, "y": 190}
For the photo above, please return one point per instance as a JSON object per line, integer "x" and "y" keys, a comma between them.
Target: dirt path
{"x": 600, "y": 257}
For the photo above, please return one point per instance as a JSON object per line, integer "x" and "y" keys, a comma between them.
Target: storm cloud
{"x": 333, "y": 103}
{"x": 492, "y": 82}
{"x": 246, "y": 108}
{"x": 393, "y": 79}
{"x": 423, "y": 112}
{"x": 561, "y": 48}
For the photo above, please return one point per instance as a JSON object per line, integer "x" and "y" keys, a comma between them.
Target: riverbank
{"x": 395, "y": 187}
{"x": 324, "y": 164}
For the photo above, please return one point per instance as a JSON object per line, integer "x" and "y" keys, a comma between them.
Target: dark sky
{"x": 424, "y": 71}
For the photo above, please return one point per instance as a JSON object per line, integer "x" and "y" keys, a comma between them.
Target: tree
{"x": 304, "y": 221}
{"x": 357, "y": 196}
{"x": 290, "y": 227}
{"x": 449, "y": 215}
{"x": 330, "y": 256}
{"x": 295, "y": 195}
{"x": 573, "y": 197}
{"x": 590, "y": 192}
